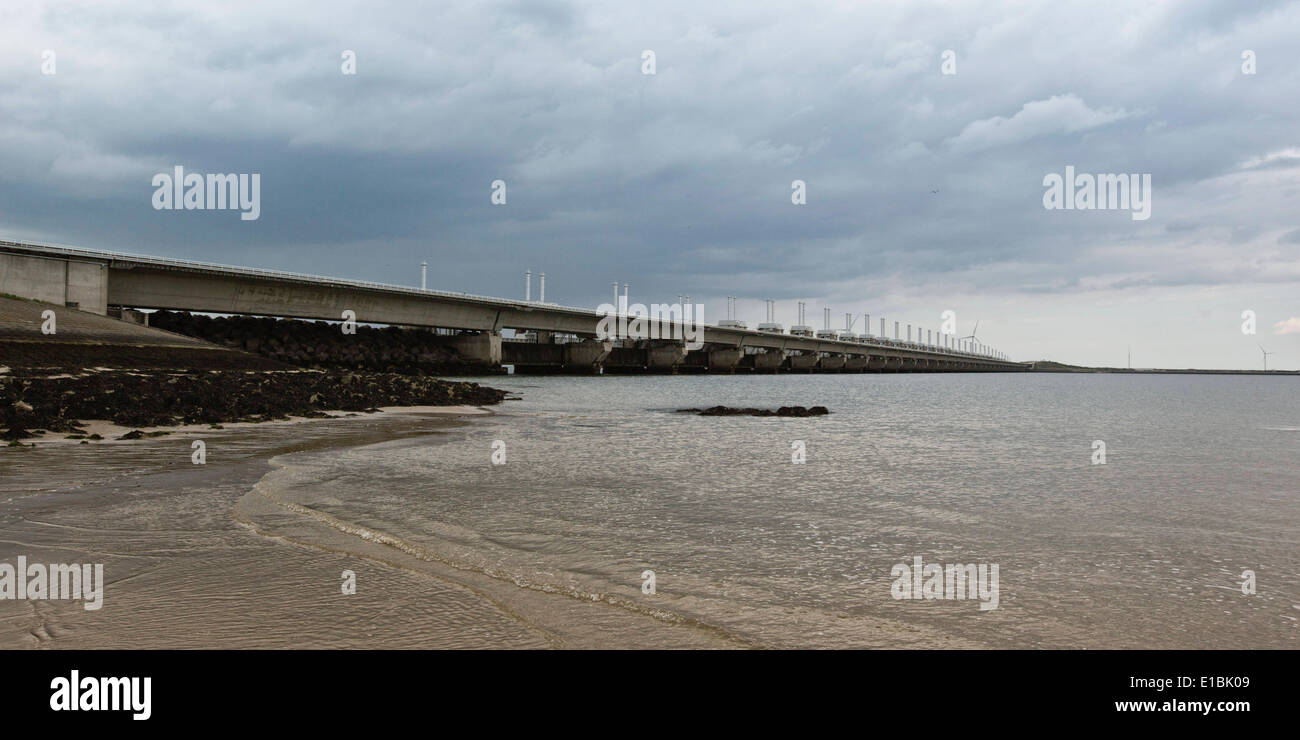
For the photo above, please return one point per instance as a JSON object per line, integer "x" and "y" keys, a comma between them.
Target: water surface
{"x": 602, "y": 481}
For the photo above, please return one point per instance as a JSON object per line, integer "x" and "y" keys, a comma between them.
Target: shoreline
{"x": 33, "y": 403}
{"x": 442, "y": 606}
{"x": 112, "y": 432}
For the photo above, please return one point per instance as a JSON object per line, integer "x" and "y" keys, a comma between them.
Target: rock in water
{"x": 795, "y": 411}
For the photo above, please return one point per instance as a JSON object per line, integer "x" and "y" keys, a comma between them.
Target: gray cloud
{"x": 1059, "y": 114}
{"x": 678, "y": 182}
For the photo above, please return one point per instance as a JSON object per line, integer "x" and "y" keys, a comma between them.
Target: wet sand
{"x": 190, "y": 561}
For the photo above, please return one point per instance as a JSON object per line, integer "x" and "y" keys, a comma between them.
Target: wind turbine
{"x": 973, "y": 331}
{"x": 1266, "y": 354}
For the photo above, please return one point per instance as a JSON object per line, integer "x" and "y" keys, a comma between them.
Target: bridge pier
{"x": 831, "y": 362}
{"x": 804, "y": 363}
{"x": 479, "y": 349}
{"x": 587, "y": 355}
{"x": 855, "y": 363}
{"x": 665, "y": 358}
{"x": 769, "y": 361}
{"x": 70, "y": 283}
{"x": 724, "y": 360}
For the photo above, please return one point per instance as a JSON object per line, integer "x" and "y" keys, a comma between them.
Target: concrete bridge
{"x": 559, "y": 338}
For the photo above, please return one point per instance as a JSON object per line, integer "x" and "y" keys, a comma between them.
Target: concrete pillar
{"x": 724, "y": 359}
{"x": 831, "y": 362}
{"x": 803, "y": 362}
{"x": 665, "y": 357}
{"x": 480, "y": 349}
{"x": 855, "y": 362}
{"x": 769, "y": 361}
{"x": 87, "y": 286}
{"x": 131, "y": 315}
{"x": 586, "y": 355}
{"x": 61, "y": 282}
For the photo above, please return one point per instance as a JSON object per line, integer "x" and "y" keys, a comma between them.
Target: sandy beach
{"x": 188, "y": 563}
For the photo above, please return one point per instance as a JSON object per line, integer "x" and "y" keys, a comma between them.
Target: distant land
{"x": 1046, "y": 366}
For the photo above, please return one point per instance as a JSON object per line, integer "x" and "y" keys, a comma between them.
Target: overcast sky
{"x": 924, "y": 189}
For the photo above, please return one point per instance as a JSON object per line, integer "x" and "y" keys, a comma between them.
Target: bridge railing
{"x": 271, "y": 274}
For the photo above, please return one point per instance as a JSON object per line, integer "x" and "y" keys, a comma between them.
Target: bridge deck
{"x": 140, "y": 281}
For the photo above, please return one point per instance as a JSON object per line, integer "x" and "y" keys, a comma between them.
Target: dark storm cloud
{"x": 679, "y": 182}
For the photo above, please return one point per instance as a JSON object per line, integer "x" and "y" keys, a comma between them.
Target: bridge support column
{"x": 769, "y": 361}
{"x": 586, "y": 355}
{"x": 856, "y": 363}
{"x": 129, "y": 315}
{"x": 831, "y": 362}
{"x": 71, "y": 283}
{"x": 805, "y": 363}
{"x": 479, "y": 349}
{"x": 724, "y": 360}
{"x": 665, "y": 358}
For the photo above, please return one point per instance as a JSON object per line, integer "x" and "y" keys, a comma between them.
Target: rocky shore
{"x": 321, "y": 344}
{"x": 153, "y": 399}
{"x": 194, "y": 369}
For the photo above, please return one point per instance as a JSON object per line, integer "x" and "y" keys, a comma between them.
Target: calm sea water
{"x": 602, "y": 481}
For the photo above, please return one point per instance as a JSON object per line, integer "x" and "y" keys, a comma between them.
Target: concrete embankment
{"x": 35, "y": 335}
